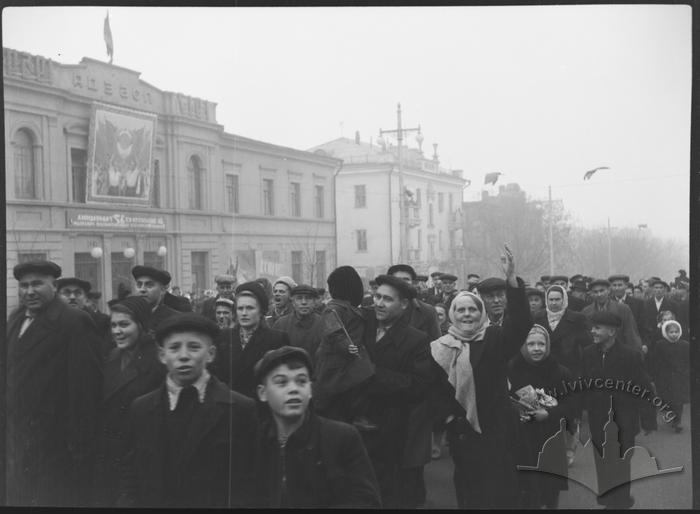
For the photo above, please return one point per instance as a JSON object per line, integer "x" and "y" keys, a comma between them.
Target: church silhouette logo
{"x": 613, "y": 469}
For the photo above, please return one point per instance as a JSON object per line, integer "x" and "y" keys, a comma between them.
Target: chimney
{"x": 357, "y": 137}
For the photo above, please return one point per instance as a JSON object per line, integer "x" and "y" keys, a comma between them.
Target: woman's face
{"x": 536, "y": 345}
{"x": 535, "y": 302}
{"x": 247, "y": 311}
{"x": 555, "y": 301}
{"x": 442, "y": 315}
{"x": 125, "y": 331}
{"x": 467, "y": 314}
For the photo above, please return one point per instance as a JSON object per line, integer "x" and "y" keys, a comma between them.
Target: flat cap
{"x": 422, "y": 278}
{"x": 579, "y": 285}
{"x": 94, "y": 295}
{"x": 490, "y": 284}
{"x": 224, "y": 279}
{"x": 304, "y": 289}
{"x": 605, "y": 318}
{"x": 256, "y": 289}
{"x": 576, "y": 277}
{"x": 562, "y": 278}
{"x": 273, "y": 358}
{"x": 531, "y": 291}
{"x": 655, "y": 281}
{"x": 186, "y": 322}
{"x": 473, "y": 275}
{"x": 624, "y": 278}
{"x": 82, "y": 284}
{"x": 446, "y": 277}
{"x": 599, "y": 282}
{"x": 435, "y": 274}
{"x": 405, "y": 289}
{"x": 287, "y": 281}
{"x": 402, "y": 267}
{"x": 42, "y": 267}
{"x": 225, "y": 301}
{"x": 544, "y": 278}
{"x": 156, "y": 274}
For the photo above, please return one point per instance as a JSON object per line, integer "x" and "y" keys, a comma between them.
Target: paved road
{"x": 672, "y": 491}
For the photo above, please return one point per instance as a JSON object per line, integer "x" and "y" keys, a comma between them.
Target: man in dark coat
{"x": 192, "y": 442}
{"x": 433, "y": 294}
{"x": 53, "y": 386}
{"x": 619, "y": 385}
{"x": 618, "y": 292}
{"x": 307, "y": 461}
{"x": 225, "y": 285}
{"x": 302, "y": 325}
{"x": 152, "y": 284}
{"x": 403, "y": 377}
{"x": 600, "y": 292}
{"x": 653, "y": 306}
{"x": 74, "y": 292}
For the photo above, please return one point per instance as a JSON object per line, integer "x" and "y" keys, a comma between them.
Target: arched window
{"x": 25, "y": 169}
{"x": 196, "y": 179}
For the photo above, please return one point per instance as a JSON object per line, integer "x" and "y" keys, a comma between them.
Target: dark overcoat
{"x": 628, "y": 334}
{"x": 234, "y": 365}
{"x": 568, "y": 340}
{"x": 120, "y": 388}
{"x": 651, "y": 314}
{"x": 53, "y": 387}
{"x": 218, "y": 462}
{"x": 323, "y": 465}
{"x": 304, "y": 333}
{"x": 159, "y": 315}
{"x": 672, "y": 371}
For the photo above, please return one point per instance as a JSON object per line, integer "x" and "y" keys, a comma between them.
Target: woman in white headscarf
{"x": 568, "y": 332}
{"x": 473, "y": 393}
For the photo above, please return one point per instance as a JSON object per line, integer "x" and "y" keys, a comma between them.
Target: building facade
{"x": 367, "y": 198}
{"x": 105, "y": 171}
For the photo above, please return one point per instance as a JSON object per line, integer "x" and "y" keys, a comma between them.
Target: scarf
{"x": 671, "y": 323}
{"x": 458, "y": 329}
{"x": 536, "y": 329}
{"x": 553, "y": 318}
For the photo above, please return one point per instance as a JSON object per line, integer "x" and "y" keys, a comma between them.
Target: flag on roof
{"x": 108, "y": 38}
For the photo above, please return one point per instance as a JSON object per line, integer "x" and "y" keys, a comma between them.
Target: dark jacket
{"x": 53, "y": 386}
{"x": 575, "y": 304}
{"x": 159, "y": 315}
{"x": 628, "y": 334}
{"x": 234, "y": 364}
{"x": 651, "y": 314}
{"x": 672, "y": 371}
{"x": 217, "y": 466}
{"x": 120, "y": 388}
{"x": 323, "y": 465}
{"x": 305, "y": 333}
{"x": 178, "y": 303}
{"x": 568, "y": 340}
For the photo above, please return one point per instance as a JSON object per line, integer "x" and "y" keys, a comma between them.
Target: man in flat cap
{"x": 53, "y": 387}
{"x": 225, "y": 286}
{"x": 600, "y": 293}
{"x": 152, "y": 284}
{"x": 492, "y": 291}
{"x": 403, "y": 379}
{"x": 433, "y": 294}
{"x": 75, "y": 292}
{"x": 303, "y": 324}
{"x": 619, "y": 387}
{"x": 618, "y": 292}
{"x": 281, "y": 299}
{"x": 449, "y": 288}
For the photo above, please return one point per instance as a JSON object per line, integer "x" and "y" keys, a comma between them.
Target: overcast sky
{"x": 539, "y": 93}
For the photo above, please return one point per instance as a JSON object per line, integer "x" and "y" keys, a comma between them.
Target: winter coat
{"x": 672, "y": 371}
{"x": 568, "y": 339}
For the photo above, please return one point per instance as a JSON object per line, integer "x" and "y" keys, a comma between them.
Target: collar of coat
{"x": 300, "y": 438}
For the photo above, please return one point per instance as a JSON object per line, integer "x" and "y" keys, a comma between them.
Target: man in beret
{"x": 658, "y": 303}
{"x": 225, "y": 285}
{"x": 152, "y": 284}
{"x": 303, "y": 324}
{"x": 192, "y": 442}
{"x": 403, "y": 379}
{"x": 281, "y": 299}
{"x": 449, "y": 288}
{"x": 53, "y": 389}
{"x": 606, "y": 362}
{"x": 600, "y": 293}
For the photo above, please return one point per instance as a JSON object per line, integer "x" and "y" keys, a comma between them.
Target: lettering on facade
{"x": 80, "y": 219}
{"x": 193, "y": 107}
{"x": 26, "y": 66}
{"x": 88, "y": 83}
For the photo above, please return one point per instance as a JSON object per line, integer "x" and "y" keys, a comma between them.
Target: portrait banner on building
{"x": 120, "y": 155}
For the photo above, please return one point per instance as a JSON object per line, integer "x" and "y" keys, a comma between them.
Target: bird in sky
{"x": 492, "y": 178}
{"x": 590, "y": 173}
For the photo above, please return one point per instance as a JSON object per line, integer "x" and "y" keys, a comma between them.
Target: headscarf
{"x": 452, "y": 351}
{"x": 555, "y": 317}
{"x": 666, "y": 325}
{"x": 536, "y": 329}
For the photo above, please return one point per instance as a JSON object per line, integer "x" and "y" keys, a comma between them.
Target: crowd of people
{"x": 278, "y": 394}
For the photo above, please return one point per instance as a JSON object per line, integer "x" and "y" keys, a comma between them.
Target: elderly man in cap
{"x": 449, "y": 289}
{"x": 74, "y": 292}
{"x": 303, "y": 324}
{"x": 492, "y": 291}
{"x": 225, "y": 285}
{"x": 607, "y": 361}
{"x": 281, "y": 299}
{"x": 53, "y": 386}
{"x": 600, "y": 293}
{"x": 152, "y": 284}
{"x": 403, "y": 379}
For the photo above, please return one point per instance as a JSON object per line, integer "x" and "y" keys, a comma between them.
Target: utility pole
{"x": 403, "y": 211}
{"x": 551, "y": 238}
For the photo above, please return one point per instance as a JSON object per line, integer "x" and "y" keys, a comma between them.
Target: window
{"x": 155, "y": 191}
{"x": 232, "y": 193}
{"x": 29, "y": 257}
{"x": 430, "y": 215}
{"x": 268, "y": 196}
{"x": 361, "y": 240}
{"x": 88, "y": 268}
{"x": 153, "y": 260}
{"x": 78, "y": 164}
{"x": 297, "y": 272}
{"x": 360, "y": 196}
{"x": 321, "y": 268}
{"x": 121, "y": 275}
{"x": 196, "y": 178}
{"x": 318, "y": 202}
{"x": 295, "y": 203}
{"x": 25, "y": 179}
{"x": 199, "y": 271}
{"x": 441, "y": 202}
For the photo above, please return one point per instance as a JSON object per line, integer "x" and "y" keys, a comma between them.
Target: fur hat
{"x": 344, "y": 283}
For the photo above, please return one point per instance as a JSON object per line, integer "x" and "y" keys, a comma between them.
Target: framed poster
{"x": 120, "y": 155}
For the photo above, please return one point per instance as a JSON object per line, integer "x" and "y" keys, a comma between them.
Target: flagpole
{"x": 609, "y": 249}
{"x": 551, "y": 238}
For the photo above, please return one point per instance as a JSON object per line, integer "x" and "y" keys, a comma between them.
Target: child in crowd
{"x": 672, "y": 371}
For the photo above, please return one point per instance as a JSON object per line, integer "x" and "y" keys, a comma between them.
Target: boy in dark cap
{"x": 192, "y": 442}
{"x": 303, "y": 324}
{"x": 609, "y": 362}
{"x": 307, "y": 461}
{"x": 152, "y": 284}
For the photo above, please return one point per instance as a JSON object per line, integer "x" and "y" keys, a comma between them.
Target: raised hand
{"x": 507, "y": 262}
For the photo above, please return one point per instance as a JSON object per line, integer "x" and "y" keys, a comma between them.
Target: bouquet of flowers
{"x": 530, "y": 399}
